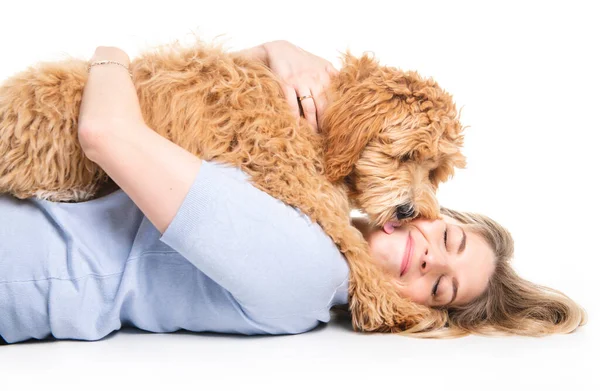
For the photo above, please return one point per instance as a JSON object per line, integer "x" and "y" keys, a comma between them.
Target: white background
{"x": 526, "y": 77}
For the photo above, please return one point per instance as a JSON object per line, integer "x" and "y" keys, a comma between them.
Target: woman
{"x": 192, "y": 244}
{"x": 461, "y": 266}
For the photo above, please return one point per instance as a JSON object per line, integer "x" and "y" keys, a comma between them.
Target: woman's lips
{"x": 407, "y": 255}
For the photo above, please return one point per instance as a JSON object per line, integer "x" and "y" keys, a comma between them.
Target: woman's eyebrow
{"x": 463, "y": 242}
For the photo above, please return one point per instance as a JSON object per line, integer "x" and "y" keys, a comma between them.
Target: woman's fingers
{"x": 331, "y": 70}
{"x": 307, "y": 101}
{"x": 320, "y": 104}
{"x": 315, "y": 86}
{"x": 319, "y": 93}
{"x": 292, "y": 99}
{"x": 301, "y": 74}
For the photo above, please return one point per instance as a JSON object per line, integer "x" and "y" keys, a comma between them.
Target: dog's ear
{"x": 351, "y": 120}
{"x": 452, "y": 158}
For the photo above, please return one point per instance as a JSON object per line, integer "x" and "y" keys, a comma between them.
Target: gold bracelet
{"x": 109, "y": 62}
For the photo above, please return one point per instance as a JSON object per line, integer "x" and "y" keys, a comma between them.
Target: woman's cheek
{"x": 378, "y": 247}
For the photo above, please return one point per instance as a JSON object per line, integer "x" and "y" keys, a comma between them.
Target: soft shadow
{"x": 342, "y": 320}
{"x": 339, "y": 319}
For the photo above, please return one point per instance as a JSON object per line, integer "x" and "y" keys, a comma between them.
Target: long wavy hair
{"x": 510, "y": 305}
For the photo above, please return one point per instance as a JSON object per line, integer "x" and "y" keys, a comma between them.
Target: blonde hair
{"x": 510, "y": 305}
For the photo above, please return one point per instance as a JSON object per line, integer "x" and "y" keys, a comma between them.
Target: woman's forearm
{"x": 154, "y": 172}
{"x": 109, "y": 94}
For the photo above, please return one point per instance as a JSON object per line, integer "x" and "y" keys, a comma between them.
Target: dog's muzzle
{"x": 404, "y": 211}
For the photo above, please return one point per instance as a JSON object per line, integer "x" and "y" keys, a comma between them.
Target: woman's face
{"x": 434, "y": 254}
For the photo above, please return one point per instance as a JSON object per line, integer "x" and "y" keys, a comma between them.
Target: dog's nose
{"x": 404, "y": 211}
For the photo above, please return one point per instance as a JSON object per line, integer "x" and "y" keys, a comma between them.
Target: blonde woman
{"x": 460, "y": 265}
{"x": 172, "y": 250}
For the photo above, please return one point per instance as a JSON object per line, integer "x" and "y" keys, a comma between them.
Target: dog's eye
{"x": 404, "y": 158}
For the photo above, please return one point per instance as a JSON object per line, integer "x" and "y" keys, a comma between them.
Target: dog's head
{"x": 392, "y": 136}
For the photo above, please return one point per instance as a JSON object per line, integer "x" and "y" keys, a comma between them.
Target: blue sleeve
{"x": 272, "y": 259}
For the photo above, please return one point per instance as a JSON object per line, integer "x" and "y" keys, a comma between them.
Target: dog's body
{"x": 230, "y": 109}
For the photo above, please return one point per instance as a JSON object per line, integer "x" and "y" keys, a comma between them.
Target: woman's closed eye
{"x": 434, "y": 291}
{"x": 459, "y": 238}
{"x": 446, "y": 237}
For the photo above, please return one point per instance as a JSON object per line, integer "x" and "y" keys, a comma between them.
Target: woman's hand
{"x": 109, "y": 98}
{"x": 302, "y": 74}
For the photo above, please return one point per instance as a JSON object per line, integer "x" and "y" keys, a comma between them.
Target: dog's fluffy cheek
{"x": 425, "y": 201}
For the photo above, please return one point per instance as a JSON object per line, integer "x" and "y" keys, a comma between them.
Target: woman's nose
{"x": 432, "y": 260}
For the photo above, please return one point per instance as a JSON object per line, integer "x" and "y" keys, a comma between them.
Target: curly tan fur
{"x": 389, "y": 137}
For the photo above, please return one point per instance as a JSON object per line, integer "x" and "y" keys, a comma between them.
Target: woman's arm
{"x": 113, "y": 134}
{"x": 154, "y": 172}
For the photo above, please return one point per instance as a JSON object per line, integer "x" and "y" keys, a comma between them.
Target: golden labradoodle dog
{"x": 389, "y": 137}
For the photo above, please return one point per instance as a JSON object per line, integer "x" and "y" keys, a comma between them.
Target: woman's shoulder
{"x": 273, "y": 259}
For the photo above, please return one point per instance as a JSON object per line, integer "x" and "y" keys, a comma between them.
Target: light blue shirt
{"x": 233, "y": 260}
